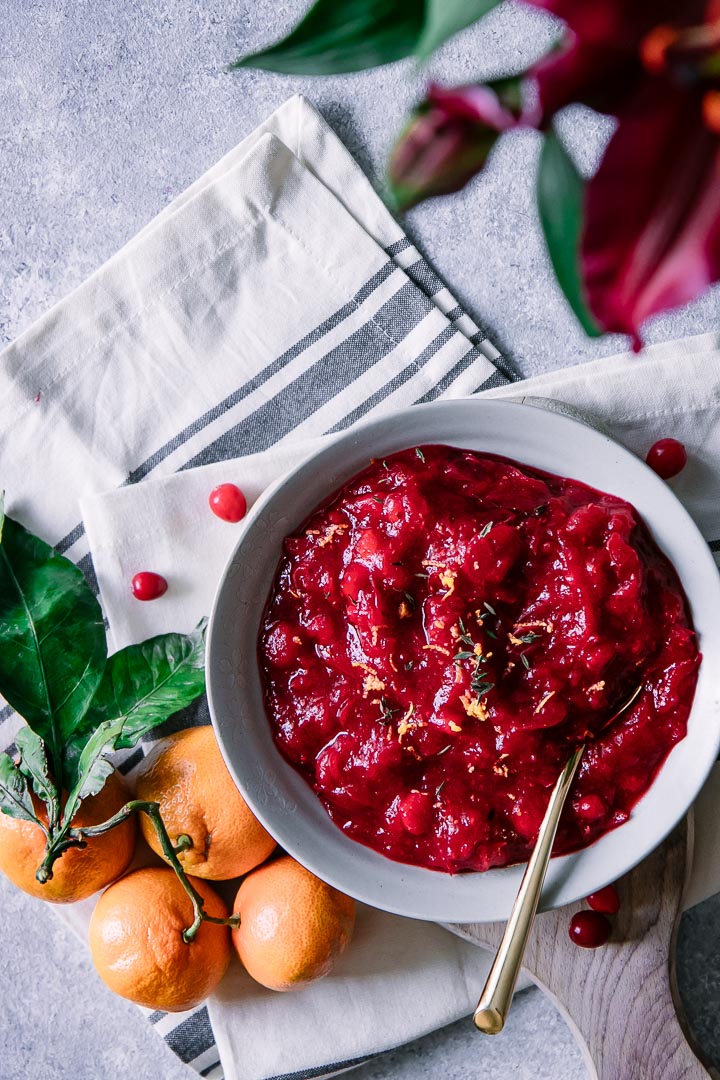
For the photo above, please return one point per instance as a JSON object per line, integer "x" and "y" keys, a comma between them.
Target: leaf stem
{"x": 78, "y": 838}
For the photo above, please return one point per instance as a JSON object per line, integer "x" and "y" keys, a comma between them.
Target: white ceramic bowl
{"x": 281, "y": 798}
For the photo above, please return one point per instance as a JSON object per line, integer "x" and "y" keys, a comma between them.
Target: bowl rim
{"x": 377, "y": 879}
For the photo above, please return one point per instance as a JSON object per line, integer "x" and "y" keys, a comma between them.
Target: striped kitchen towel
{"x": 276, "y": 300}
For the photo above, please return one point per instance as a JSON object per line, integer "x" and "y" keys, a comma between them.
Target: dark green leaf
{"x": 345, "y": 36}
{"x": 444, "y": 18}
{"x": 144, "y": 685}
{"x": 2, "y": 513}
{"x": 34, "y": 765}
{"x": 93, "y": 768}
{"x": 52, "y": 638}
{"x": 15, "y": 798}
{"x": 560, "y": 201}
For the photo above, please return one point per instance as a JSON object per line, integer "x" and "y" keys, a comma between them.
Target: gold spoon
{"x": 494, "y": 1003}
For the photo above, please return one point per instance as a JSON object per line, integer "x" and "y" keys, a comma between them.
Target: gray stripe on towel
{"x": 327, "y": 378}
{"x": 247, "y": 388}
{"x": 423, "y": 275}
{"x": 402, "y": 377}
{"x": 192, "y": 1037}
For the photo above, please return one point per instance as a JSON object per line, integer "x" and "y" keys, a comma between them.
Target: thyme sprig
{"x": 386, "y": 711}
{"x": 480, "y": 685}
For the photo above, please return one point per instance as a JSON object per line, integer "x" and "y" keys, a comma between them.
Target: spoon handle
{"x": 494, "y": 1003}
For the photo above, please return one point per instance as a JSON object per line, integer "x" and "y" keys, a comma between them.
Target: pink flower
{"x": 651, "y": 237}
{"x": 650, "y": 233}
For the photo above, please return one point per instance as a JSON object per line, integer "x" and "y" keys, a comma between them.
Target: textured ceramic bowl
{"x": 280, "y": 797}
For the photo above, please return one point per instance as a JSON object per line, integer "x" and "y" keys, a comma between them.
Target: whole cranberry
{"x": 416, "y": 812}
{"x": 589, "y": 929}
{"x": 591, "y": 808}
{"x": 605, "y": 900}
{"x": 667, "y": 458}
{"x": 228, "y": 502}
{"x": 148, "y": 586}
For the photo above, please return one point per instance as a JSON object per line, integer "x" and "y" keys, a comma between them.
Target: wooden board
{"x": 620, "y": 1001}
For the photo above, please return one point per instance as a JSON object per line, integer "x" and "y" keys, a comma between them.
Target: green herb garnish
{"x": 386, "y": 711}
{"x": 485, "y": 530}
{"x": 526, "y": 662}
{"x": 420, "y": 454}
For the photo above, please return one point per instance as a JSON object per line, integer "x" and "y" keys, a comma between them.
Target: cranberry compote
{"x": 445, "y": 629}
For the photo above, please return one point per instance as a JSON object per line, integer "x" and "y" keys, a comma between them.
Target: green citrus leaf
{"x": 52, "y": 638}
{"x": 444, "y": 18}
{"x": 34, "y": 766}
{"x": 142, "y": 686}
{"x": 93, "y": 768}
{"x": 15, "y": 798}
{"x": 351, "y": 35}
{"x": 560, "y": 201}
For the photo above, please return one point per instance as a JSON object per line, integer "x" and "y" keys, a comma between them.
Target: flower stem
{"x": 78, "y": 837}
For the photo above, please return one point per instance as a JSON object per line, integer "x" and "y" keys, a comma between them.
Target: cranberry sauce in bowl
{"x": 445, "y": 629}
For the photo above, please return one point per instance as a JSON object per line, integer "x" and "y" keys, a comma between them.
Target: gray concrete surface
{"x": 110, "y": 109}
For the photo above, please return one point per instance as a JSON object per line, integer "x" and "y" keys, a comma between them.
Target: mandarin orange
{"x": 137, "y": 945}
{"x": 292, "y": 925}
{"x": 186, "y": 775}
{"x": 79, "y": 872}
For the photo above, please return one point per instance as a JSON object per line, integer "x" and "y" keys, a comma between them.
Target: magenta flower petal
{"x": 600, "y": 76}
{"x": 449, "y": 138}
{"x": 652, "y": 213}
{"x": 600, "y": 64}
{"x": 477, "y": 104}
{"x": 621, "y": 24}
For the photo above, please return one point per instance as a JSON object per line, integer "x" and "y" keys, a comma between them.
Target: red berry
{"x": 228, "y": 502}
{"x": 591, "y": 808}
{"x": 667, "y": 458}
{"x": 416, "y": 812}
{"x": 606, "y": 900}
{"x": 148, "y": 586}
{"x": 589, "y": 929}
